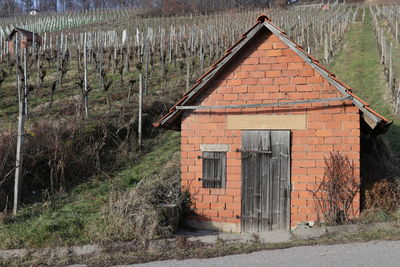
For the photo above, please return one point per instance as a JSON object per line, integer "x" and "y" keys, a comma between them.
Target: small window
{"x": 214, "y": 169}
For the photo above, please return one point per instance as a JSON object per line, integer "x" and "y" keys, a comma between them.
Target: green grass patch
{"x": 358, "y": 65}
{"x": 70, "y": 218}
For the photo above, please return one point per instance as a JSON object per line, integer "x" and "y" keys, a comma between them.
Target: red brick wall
{"x": 268, "y": 71}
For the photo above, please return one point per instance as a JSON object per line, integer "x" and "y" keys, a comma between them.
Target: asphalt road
{"x": 372, "y": 254}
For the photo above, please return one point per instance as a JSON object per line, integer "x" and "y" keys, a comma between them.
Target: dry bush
{"x": 57, "y": 156}
{"x": 137, "y": 214}
{"x": 382, "y": 195}
{"x": 335, "y": 194}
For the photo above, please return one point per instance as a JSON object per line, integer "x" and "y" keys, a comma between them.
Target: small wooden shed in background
{"x": 26, "y": 39}
{"x": 256, "y": 128}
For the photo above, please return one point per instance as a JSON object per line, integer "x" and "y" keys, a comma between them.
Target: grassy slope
{"x": 359, "y": 66}
{"x": 71, "y": 219}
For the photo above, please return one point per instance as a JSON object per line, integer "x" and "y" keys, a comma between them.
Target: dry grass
{"x": 137, "y": 214}
{"x": 382, "y": 195}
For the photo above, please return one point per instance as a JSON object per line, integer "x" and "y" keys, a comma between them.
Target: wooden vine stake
{"x": 22, "y": 98}
{"x": 85, "y": 79}
{"x": 140, "y": 110}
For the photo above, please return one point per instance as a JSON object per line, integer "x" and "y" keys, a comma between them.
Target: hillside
{"x": 75, "y": 164}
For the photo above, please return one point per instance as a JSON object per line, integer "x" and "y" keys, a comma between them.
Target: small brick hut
{"x": 256, "y": 128}
{"x": 26, "y": 39}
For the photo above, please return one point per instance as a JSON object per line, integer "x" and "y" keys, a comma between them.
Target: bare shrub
{"x": 382, "y": 195}
{"x": 334, "y": 195}
{"x": 57, "y": 156}
{"x": 137, "y": 214}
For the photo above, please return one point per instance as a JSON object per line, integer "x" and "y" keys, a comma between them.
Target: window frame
{"x": 214, "y": 169}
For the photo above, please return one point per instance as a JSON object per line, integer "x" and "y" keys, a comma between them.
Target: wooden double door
{"x": 265, "y": 181}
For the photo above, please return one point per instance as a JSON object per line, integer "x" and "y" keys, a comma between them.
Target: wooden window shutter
{"x": 214, "y": 169}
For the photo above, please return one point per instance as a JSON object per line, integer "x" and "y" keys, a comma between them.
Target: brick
{"x": 305, "y": 195}
{"x": 295, "y": 66}
{"x": 288, "y": 52}
{"x": 254, "y": 89}
{"x": 250, "y": 81}
{"x": 202, "y": 205}
{"x": 258, "y": 54}
{"x": 257, "y": 74}
{"x": 234, "y": 206}
{"x": 210, "y": 140}
{"x": 300, "y": 186}
{"x": 265, "y": 81}
{"x": 271, "y": 88}
{"x": 316, "y": 171}
{"x": 274, "y": 53}
{"x": 273, "y": 39}
{"x": 304, "y": 88}
{"x": 235, "y": 82}
{"x": 234, "y": 177}
{"x": 325, "y": 148}
{"x": 273, "y": 73}
{"x": 349, "y": 124}
{"x": 234, "y": 162}
{"x": 210, "y": 198}
{"x": 234, "y": 184}
{"x": 295, "y": 95}
{"x": 287, "y": 88}
{"x": 306, "y": 210}
{"x": 267, "y": 60}
{"x": 218, "y": 206}
{"x": 241, "y": 75}
{"x": 298, "y": 80}
{"x": 304, "y": 163}
{"x": 323, "y": 132}
{"x": 248, "y": 67}
{"x": 261, "y": 96}
{"x": 306, "y": 73}
{"x": 251, "y": 61}
{"x": 315, "y": 79}
{"x": 264, "y": 67}
{"x": 283, "y": 59}
{"x": 233, "y": 192}
{"x": 265, "y": 46}
{"x": 299, "y": 171}
{"x": 230, "y": 97}
{"x": 209, "y": 213}
{"x": 279, "y": 66}
{"x": 324, "y": 117}
{"x": 315, "y": 155}
{"x": 279, "y": 45}
{"x": 303, "y": 148}
{"x": 295, "y": 218}
{"x": 224, "y": 90}
{"x": 298, "y": 202}
{"x": 297, "y": 59}
{"x": 333, "y": 140}
{"x": 225, "y": 199}
{"x": 311, "y": 95}
{"x": 281, "y": 80}
{"x": 225, "y": 213}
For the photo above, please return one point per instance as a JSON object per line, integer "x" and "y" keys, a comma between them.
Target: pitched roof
{"x": 24, "y": 32}
{"x": 169, "y": 121}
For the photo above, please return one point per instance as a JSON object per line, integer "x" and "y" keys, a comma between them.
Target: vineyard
{"x": 79, "y": 89}
{"x": 163, "y": 50}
